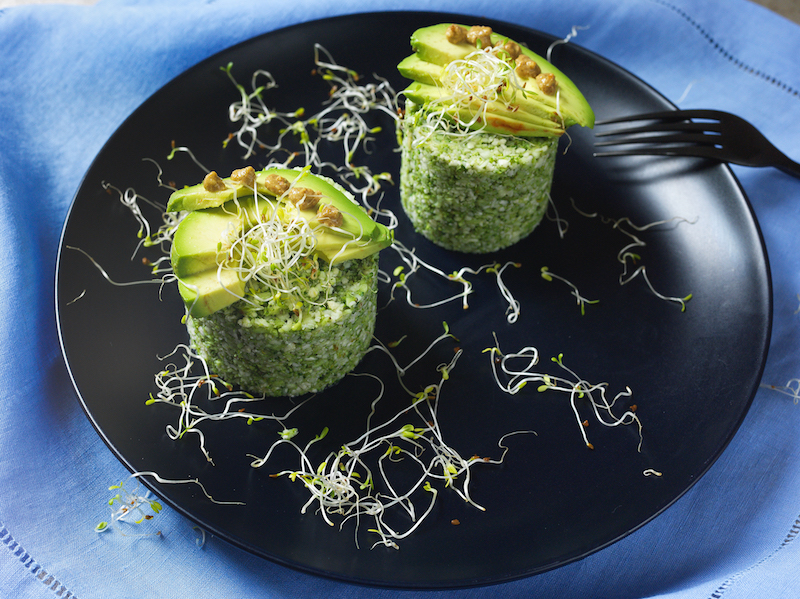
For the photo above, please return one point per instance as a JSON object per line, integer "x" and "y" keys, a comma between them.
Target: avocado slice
{"x": 413, "y": 67}
{"x": 498, "y": 118}
{"x": 195, "y": 244}
{"x": 433, "y": 51}
{"x": 197, "y": 197}
{"x": 195, "y": 253}
{"x": 200, "y": 197}
{"x": 207, "y": 291}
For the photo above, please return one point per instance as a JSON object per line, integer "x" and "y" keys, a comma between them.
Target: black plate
{"x": 693, "y": 373}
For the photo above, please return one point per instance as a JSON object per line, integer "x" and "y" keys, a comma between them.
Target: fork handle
{"x": 788, "y": 166}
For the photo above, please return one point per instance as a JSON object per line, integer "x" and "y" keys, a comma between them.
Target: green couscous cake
{"x": 479, "y": 136}
{"x": 277, "y": 349}
{"x": 278, "y": 271}
{"x": 478, "y": 193}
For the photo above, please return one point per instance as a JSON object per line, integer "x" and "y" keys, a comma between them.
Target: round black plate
{"x": 693, "y": 373}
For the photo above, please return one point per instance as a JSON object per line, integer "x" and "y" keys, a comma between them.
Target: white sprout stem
{"x": 170, "y": 221}
{"x": 594, "y": 394}
{"x": 129, "y": 198}
{"x": 642, "y": 271}
{"x": 415, "y": 264}
{"x": 791, "y": 388}
{"x": 547, "y": 275}
{"x": 158, "y": 178}
{"x": 626, "y": 254}
{"x": 573, "y": 33}
{"x": 183, "y": 481}
{"x": 561, "y": 224}
{"x": 183, "y": 149}
{"x": 108, "y": 278}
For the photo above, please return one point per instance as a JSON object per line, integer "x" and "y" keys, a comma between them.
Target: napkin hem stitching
{"x": 794, "y": 531}
{"x": 34, "y": 568}
{"x": 726, "y": 54}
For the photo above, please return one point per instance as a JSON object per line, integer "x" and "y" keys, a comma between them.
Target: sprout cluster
{"x": 355, "y": 482}
{"x": 130, "y": 505}
{"x": 189, "y": 383}
{"x": 274, "y": 252}
{"x": 341, "y": 121}
{"x": 482, "y": 83}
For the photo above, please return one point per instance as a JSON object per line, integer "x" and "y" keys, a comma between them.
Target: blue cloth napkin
{"x": 70, "y": 75}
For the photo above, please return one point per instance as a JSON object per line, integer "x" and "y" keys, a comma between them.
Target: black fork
{"x": 710, "y": 134}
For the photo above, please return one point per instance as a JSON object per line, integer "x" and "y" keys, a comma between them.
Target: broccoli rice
{"x": 281, "y": 346}
{"x": 476, "y": 192}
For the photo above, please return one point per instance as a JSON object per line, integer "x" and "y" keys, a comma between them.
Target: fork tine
{"x": 662, "y": 126}
{"x": 669, "y": 115}
{"x": 692, "y": 138}
{"x": 697, "y": 151}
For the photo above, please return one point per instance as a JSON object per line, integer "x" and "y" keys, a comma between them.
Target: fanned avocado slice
{"x": 495, "y": 119}
{"x": 563, "y": 106}
{"x": 196, "y": 241}
{"x": 207, "y": 291}
{"x": 413, "y": 67}
{"x": 200, "y": 241}
{"x": 356, "y": 223}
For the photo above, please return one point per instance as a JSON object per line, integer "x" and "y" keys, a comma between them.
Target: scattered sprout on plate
{"x": 512, "y": 378}
{"x": 627, "y": 256}
{"x": 547, "y": 275}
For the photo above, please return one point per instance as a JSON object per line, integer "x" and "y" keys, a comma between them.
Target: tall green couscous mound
{"x": 278, "y": 271}
{"x": 479, "y": 136}
{"x": 276, "y": 349}
{"x": 477, "y": 194}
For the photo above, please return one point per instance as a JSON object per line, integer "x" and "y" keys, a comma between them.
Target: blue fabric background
{"x": 70, "y": 75}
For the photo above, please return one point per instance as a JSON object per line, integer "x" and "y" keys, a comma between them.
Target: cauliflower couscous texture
{"x": 474, "y": 193}
{"x": 284, "y": 347}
